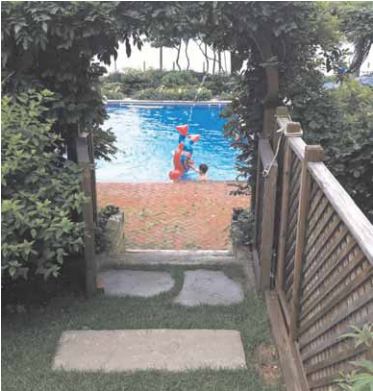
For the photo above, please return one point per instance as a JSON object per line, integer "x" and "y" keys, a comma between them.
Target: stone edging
{"x": 131, "y": 102}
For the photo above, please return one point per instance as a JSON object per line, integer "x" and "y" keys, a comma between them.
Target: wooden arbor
{"x": 266, "y": 185}
{"x": 85, "y": 159}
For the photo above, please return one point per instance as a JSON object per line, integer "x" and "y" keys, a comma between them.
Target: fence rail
{"x": 324, "y": 274}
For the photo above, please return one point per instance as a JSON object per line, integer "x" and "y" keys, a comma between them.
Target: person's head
{"x": 203, "y": 168}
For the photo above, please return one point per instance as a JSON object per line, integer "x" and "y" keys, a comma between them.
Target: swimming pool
{"x": 146, "y": 137}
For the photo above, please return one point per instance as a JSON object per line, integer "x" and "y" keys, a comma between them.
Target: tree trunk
{"x": 178, "y": 48}
{"x": 207, "y": 59}
{"x": 236, "y": 62}
{"x": 161, "y": 58}
{"x": 186, "y": 54}
{"x": 214, "y": 63}
{"x": 357, "y": 72}
{"x": 205, "y": 54}
{"x": 219, "y": 61}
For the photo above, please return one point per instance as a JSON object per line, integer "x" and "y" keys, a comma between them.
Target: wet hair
{"x": 203, "y": 168}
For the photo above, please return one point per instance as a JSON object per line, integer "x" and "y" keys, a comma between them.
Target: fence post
{"x": 93, "y": 174}
{"x": 268, "y": 204}
{"x": 284, "y": 215}
{"x": 313, "y": 153}
{"x": 291, "y": 128}
{"x": 90, "y": 267}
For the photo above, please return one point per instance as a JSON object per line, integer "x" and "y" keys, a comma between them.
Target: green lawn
{"x": 29, "y": 342}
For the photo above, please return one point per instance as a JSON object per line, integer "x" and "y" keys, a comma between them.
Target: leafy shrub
{"x": 177, "y": 93}
{"x": 167, "y": 85}
{"x": 133, "y": 80}
{"x": 203, "y": 94}
{"x": 362, "y": 378}
{"x": 179, "y": 79}
{"x": 341, "y": 120}
{"x": 113, "y": 90}
{"x": 222, "y": 84}
{"x": 147, "y": 93}
{"x": 102, "y": 219}
{"x": 242, "y": 227}
{"x": 40, "y": 191}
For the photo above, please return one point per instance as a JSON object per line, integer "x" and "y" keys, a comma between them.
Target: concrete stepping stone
{"x": 129, "y": 350}
{"x": 135, "y": 283}
{"x": 209, "y": 287}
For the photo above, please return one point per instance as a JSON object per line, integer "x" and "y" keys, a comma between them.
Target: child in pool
{"x": 202, "y": 171}
{"x": 203, "y": 168}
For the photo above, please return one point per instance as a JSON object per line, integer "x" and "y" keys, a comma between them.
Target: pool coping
{"x": 131, "y": 102}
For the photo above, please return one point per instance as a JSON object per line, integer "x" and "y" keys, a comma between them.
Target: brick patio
{"x": 186, "y": 215}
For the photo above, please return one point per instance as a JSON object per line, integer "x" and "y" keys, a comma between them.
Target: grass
{"x": 29, "y": 341}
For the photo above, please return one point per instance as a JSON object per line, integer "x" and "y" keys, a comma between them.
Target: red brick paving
{"x": 185, "y": 215}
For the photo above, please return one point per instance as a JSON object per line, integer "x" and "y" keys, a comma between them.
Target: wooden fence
{"x": 324, "y": 260}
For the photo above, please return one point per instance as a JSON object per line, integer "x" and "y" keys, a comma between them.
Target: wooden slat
{"x": 293, "y": 215}
{"x": 257, "y": 200}
{"x": 284, "y": 216}
{"x": 293, "y": 211}
{"x": 268, "y": 218}
{"x": 293, "y": 373}
{"x": 284, "y": 306}
{"x": 333, "y": 265}
{"x": 306, "y": 309}
{"x": 315, "y": 204}
{"x": 314, "y": 190}
{"x": 329, "y": 304}
{"x": 350, "y": 214}
{"x": 347, "y": 354}
{"x": 289, "y": 294}
{"x": 312, "y": 153}
{"x": 322, "y": 243}
{"x": 289, "y": 280}
{"x": 324, "y": 240}
{"x": 292, "y": 226}
{"x": 295, "y": 179}
{"x": 317, "y": 266}
{"x": 316, "y": 234}
{"x": 290, "y": 251}
{"x": 320, "y": 210}
{"x": 337, "y": 318}
{"x": 324, "y": 381}
{"x": 335, "y": 340}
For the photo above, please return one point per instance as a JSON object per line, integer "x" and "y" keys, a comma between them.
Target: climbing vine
{"x": 58, "y": 46}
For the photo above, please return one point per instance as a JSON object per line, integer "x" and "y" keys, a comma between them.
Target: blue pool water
{"x": 146, "y": 138}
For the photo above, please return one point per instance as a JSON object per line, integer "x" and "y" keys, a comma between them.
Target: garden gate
{"x": 322, "y": 263}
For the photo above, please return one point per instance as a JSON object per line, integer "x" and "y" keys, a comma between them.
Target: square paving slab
{"x": 128, "y": 350}
{"x": 209, "y": 287}
{"x": 118, "y": 282}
